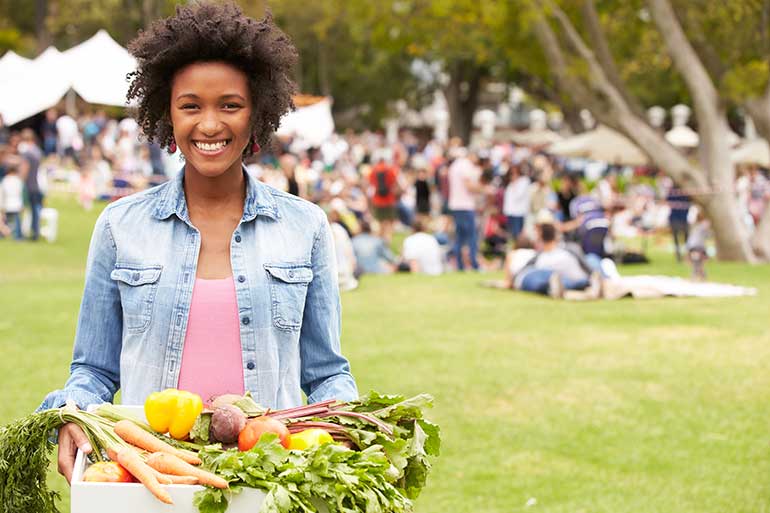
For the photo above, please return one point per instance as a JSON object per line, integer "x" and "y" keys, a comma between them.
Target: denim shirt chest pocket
{"x": 138, "y": 285}
{"x": 288, "y": 288}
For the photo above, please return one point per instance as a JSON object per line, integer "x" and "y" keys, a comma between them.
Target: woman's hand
{"x": 71, "y": 438}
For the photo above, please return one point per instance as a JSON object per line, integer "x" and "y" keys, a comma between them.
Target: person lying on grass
{"x": 212, "y": 282}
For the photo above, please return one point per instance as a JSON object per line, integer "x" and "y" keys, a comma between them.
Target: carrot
{"x": 187, "y": 480}
{"x": 131, "y": 460}
{"x": 112, "y": 453}
{"x": 160, "y": 477}
{"x": 170, "y": 464}
{"x": 137, "y": 436}
{"x": 169, "y": 479}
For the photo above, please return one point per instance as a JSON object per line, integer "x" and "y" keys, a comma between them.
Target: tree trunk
{"x": 149, "y": 12}
{"x": 462, "y": 95}
{"x": 611, "y": 108}
{"x": 538, "y": 88}
{"x": 731, "y": 235}
{"x": 604, "y": 55}
{"x": 324, "y": 82}
{"x": 759, "y": 110}
{"x": 41, "y": 30}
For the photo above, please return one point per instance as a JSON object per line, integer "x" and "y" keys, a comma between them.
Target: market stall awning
{"x": 601, "y": 144}
{"x": 536, "y": 137}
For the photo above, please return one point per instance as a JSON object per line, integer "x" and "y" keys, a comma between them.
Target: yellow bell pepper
{"x": 309, "y": 438}
{"x": 173, "y": 411}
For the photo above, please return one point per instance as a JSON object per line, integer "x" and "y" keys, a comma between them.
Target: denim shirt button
{"x": 135, "y": 276}
{"x": 250, "y": 365}
{"x": 237, "y": 238}
{"x": 291, "y": 274}
{"x": 241, "y": 278}
{"x": 245, "y": 321}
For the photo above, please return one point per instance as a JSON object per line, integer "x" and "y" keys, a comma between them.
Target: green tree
{"x": 582, "y": 64}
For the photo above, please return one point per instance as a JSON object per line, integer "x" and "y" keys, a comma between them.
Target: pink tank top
{"x": 212, "y": 362}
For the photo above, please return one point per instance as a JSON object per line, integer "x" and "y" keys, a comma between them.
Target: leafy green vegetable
{"x": 200, "y": 430}
{"x": 344, "y": 480}
{"x": 390, "y": 469}
{"x": 25, "y": 448}
{"x": 24, "y": 451}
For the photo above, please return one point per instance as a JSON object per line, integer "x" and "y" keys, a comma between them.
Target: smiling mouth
{"x": 211, "y": 147}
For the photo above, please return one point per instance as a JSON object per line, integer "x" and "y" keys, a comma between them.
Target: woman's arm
{"x": 325, "y": 372}
{"x": 95, "y": 369}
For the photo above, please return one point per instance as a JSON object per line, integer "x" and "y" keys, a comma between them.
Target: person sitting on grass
{"x": 421, "y": 252}
{"x": 372, "y": 254}
{"x": 555, "y": 269}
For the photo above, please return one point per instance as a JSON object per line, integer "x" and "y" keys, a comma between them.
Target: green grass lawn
{"x": 628, "y": 406}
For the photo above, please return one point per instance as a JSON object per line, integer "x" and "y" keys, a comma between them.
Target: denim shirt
{"x": 139, "y": 283}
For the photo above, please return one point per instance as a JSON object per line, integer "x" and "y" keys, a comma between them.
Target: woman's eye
{"x": 232, "y": 106}
{"x": 188, "y": 106}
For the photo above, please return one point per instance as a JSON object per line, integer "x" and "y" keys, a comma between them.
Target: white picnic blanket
{"x": 647, "y": 286}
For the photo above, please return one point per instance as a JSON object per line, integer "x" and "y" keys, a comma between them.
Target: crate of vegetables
{"x": 108, "y": 486}
{"x": 174, "y": 455}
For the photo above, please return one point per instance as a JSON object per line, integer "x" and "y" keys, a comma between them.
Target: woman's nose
{"x": 209, "y": 123}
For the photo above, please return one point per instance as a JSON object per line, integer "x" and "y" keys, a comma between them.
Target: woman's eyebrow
{"x": 233, "y": 95}
{"x": 223, "y": 97}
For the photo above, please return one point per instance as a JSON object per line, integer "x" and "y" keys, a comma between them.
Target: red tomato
{"x": 257, "y": 427}
{"x": 107, "y": 472}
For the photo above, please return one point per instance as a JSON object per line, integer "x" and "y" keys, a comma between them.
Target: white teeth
{"x": 210, "y": 147}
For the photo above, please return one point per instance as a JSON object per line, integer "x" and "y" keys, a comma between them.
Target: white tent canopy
{"x": 12, "y": 63}
{"x": 314, "y": 123}
{"x": 601, "y": 144}
{"x": 536, "y": 137}
{"x": 96, "y": 69}
{"x": 34, "y": 88}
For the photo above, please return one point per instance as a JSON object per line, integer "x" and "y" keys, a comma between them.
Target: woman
{"x": 211, "y": 282}
{"x": 516, "y": 200}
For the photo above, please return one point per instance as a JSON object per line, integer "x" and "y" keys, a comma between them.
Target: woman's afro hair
{"x": 208, "y": 32}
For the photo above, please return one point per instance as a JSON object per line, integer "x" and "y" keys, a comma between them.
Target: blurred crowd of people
{"x": 450, "y": 207}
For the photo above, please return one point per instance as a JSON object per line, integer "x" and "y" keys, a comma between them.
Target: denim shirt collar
{"x": 259, "y": 201}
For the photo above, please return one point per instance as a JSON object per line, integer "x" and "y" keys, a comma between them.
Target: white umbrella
{"x": 753, "y": 152}
{"x": 683, "y": 136}
{"x": 601, "y": 144}
{"x": 536, "y": 137}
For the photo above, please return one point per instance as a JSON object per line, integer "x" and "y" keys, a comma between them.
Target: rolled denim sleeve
{"x": 325, "y": 372}
{"x": 95, "y": 369}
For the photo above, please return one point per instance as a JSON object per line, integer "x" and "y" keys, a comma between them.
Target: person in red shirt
{"x": 384, "y": 185}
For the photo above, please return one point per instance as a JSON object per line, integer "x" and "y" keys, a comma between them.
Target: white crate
{"x": 134, "y": 497}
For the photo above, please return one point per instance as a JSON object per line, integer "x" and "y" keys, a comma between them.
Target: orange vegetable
{"x": 107, "y": 472}
{"x": 169, "y": 479}
{"x": 170, "y": 464}
{"x": 137, "y": 436}
{"x": 131, "y": 460}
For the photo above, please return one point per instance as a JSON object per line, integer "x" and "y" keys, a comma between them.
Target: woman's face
{"x": 210, "y": 112}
